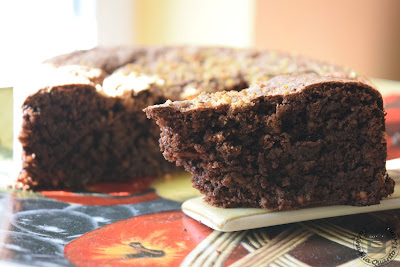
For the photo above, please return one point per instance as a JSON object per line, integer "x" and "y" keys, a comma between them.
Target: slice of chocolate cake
{"x": 291, "y": 142}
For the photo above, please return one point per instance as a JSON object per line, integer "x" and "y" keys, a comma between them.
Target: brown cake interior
{"x": 73, "y": 136}
{"x": 318, "y": 144}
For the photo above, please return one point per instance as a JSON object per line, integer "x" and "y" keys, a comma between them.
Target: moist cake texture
{"x": 290, "y": 142}
{"x": 73, "y": 136}
{"x": 83, "y": 121}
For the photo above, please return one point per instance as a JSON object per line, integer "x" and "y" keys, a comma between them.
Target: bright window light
{"x": 31, "y": 31}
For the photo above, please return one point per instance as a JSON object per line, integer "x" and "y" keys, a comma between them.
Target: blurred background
{"x": 361, "y": 34}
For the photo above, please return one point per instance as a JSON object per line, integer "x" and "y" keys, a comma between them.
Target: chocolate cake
{"x": 290, "y": 142}
{"x": 82, "y": 120}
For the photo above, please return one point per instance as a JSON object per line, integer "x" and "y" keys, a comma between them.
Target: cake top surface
{"x": 183, "y": 72}
{"x": 278, "y": 86}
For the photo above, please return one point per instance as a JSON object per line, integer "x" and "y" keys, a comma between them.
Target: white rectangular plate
{"x": 236, "y": 219}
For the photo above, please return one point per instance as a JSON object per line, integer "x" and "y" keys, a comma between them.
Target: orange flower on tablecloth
{"x": 85, "y": 199}
{"x": 162, "y": 239}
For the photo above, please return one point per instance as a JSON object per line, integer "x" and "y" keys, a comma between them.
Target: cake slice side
{"x": 74, "y": 135}
{"x": 288, "y": 143}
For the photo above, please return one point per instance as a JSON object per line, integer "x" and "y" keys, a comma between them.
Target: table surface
{"x": 141, "y": 223}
